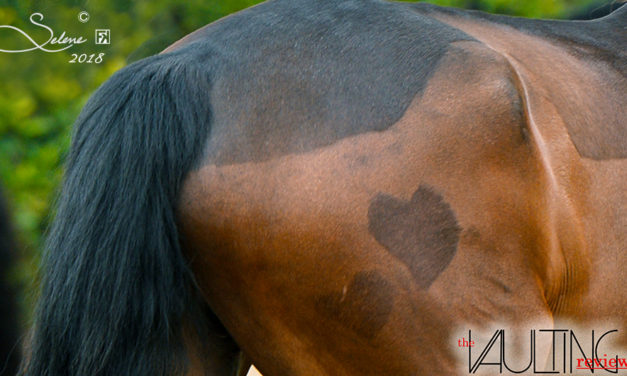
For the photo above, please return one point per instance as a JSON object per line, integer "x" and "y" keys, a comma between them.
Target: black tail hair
{"x": 9, "y": 333}
{"x": 115, "y": 286}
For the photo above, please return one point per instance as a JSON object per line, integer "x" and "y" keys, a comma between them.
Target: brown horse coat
{"x": 338, "y": 231}
{"x": 497, "y": 195}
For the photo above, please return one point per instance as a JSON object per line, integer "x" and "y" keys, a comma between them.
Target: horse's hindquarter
{"x": 575, "y": 96}
{"x": 384, "y": 242}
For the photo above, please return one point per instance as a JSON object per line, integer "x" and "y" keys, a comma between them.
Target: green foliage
{"x": 526, "y": 8}
{"x": 41, "y": 93}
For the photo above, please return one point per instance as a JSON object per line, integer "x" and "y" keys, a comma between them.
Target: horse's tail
{"x": 116, "y": 288}
{"x": 9, "y": 334}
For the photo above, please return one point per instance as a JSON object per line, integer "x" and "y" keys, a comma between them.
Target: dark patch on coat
{"x": 364, "y": 307}
{"x": 293, "y": 76}
{"x": 422, "y": 233}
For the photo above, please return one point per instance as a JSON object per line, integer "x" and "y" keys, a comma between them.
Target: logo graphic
{"x": 568, "y": 353}
{"x": 103, "y": 36}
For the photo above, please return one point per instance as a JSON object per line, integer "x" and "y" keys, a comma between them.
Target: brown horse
{"x": 358, "y": 188}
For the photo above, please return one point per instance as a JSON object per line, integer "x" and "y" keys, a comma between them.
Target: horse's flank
{"x": 497, "y": 178}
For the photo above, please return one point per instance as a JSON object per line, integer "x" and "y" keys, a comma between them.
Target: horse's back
{"x": 291, "y": 77}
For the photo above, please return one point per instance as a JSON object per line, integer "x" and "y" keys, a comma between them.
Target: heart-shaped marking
{"x": 423, "y": 233}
